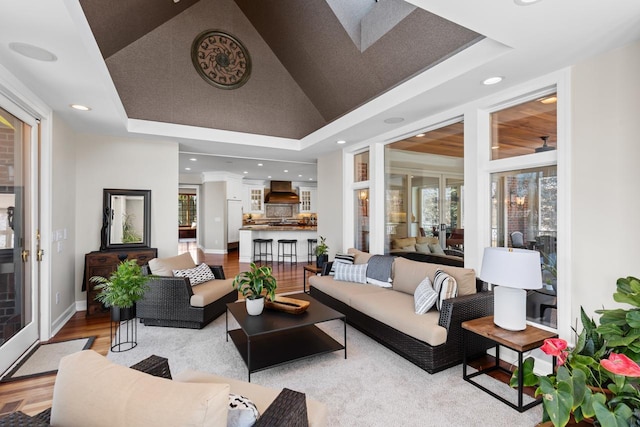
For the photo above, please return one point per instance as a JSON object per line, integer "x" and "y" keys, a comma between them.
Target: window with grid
{"x": 187, "y": 209}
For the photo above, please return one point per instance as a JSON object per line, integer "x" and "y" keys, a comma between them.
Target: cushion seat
{"x": 343, "y": 291}
{"x": 397, "y": 310}
{"x": 261, "y": 396}
{"x": 209, "y": 292}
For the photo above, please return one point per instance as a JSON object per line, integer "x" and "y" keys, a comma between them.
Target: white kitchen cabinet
{"x": 253, "y": 199}
{"x": 307, "y": 199}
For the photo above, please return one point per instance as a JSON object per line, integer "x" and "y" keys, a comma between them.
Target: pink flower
{"x": 620, "y": 364}
{"x": 555, "y": 347}
{"x": 562, "y": 357}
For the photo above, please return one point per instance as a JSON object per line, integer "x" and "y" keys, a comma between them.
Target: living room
{"x": 592, "y": 64}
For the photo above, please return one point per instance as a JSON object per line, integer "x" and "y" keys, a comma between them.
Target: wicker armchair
{"x": 167, "y": 302}
{"x": 287, "y": 410}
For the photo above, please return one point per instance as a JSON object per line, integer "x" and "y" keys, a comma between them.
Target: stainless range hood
{"x": 282, "y": 193}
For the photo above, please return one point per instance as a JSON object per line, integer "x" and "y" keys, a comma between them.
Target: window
{"x": 187, "y": 209}
{"x": 524, "y": 199}
{"x": 361, "y": 167}
{"x": 362, "y": 219}
{"x": 424, "y": 186}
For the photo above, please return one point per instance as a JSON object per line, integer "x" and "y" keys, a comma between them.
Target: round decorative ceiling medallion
{"x": 221, "y": 59}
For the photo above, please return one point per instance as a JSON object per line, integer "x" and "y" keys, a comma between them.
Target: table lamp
{"x": 513, "y": 271}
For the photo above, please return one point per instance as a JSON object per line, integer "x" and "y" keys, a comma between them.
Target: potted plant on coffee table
{"x": 322, "y": 252}
{"x": 122, "y": 289}
{"x": 254, "y": 285}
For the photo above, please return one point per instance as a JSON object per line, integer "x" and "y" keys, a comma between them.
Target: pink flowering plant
{"x": 598, "y": 379}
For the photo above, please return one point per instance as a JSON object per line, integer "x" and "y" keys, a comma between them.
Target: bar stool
{"x": 311, "y": 249}
{"x": 285, "y": 244}
{"x": 262, "y": 249}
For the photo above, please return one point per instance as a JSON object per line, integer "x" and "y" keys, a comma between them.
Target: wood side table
{"x": 518, "y": 341}
{"x": 313, "y": 269}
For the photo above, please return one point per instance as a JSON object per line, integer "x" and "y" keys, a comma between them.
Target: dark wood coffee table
{"x": 275, "y": 338}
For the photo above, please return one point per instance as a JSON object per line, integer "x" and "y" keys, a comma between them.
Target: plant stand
{"x": 123, "y": 329}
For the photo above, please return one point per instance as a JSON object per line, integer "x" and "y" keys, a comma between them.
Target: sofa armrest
{"x": 457, "y": 310}
{"x": 164, "y": 294}
{"x": 217, "y": 271}
{"x": 289, "y": 409}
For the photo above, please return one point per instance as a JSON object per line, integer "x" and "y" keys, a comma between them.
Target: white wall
{"x": 330, "y": 201}
{"x": 212, "y": 223}
{"x": 63, "y": 218}
{"x": 124, "y": 163}
{"x": 605, "y": 176}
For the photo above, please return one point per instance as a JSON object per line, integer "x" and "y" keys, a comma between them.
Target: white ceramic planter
{"x": 255, "y": 306}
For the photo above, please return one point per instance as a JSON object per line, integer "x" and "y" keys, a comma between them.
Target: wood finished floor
{"x": 33, "y": 395}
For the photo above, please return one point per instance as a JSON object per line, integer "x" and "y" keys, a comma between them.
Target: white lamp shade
{"x": 511, "y": 267}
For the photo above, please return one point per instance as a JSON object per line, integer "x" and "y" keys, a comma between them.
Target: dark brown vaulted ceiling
{"x": 307, "y": 71}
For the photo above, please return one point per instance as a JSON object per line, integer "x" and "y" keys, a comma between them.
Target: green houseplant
{"x": 252, "y": 284}
{"x": 322, "y": 252}
{"x": 122, "y": 289}
{"x": 597, "y": 380}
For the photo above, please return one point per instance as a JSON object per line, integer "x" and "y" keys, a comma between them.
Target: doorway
{"x": 19, "y": 233}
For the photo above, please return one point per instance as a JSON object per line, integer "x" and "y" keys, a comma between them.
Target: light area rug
{"x": 372, "y": 387}
{"x": 46, "y": 358}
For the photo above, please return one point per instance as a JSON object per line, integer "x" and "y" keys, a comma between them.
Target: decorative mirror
{"x": 126, "y": 221}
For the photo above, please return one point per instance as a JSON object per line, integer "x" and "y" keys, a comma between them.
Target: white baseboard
{"x": 81, "y": 305}
{"x": 64, "y": 318}
{"x": 215, "y": 251}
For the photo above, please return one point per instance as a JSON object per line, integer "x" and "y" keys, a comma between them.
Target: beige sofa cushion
{"x": 211, "y": 291}
{"x": 408, "y": 274}
{"x": 403, "y": 242}
{"x": 343, "y": 291}
{"x": 165, "y": 266}
{"x": 427, "y": 239}
{"x": 261, "y": 396}
{"x": 92, "y": 391}
{"x": 397, "y": 310}
{"x": 359, "y": 256}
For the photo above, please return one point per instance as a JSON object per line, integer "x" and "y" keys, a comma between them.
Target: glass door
{"x": 18, "y": 235}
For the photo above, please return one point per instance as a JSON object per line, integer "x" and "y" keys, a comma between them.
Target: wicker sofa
{"x": 172, "y": 301}
{"x": 433, "y": 341}
{"x": 92, "y": 391}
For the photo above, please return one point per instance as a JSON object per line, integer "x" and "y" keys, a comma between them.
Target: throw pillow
{"x": 242, "y": 411}
{"x": 410, "y": 248}
{"x": 341, "y": 258}
{"x": 445, "y": 286}
{"x": 351, "y": 273}
{"x": 436, "y": 249}
{"x": 423, "y": 248}
{"x": 425, "y": 296}
{"x": 196, "y": 275}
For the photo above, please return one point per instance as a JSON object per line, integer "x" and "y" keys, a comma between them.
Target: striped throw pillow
{"x": 351, "y": 273}
{"x": 425, "y": 296}
{"x": 445, "y": 286}
{"x": 341, "y": 258}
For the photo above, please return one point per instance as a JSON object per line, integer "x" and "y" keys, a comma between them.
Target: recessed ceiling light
{"x": 549, "y": 100}
{"x": 310, "y": 179}
{"x": 392, "y": 120}
{"x": 342, "y": 141}
{"x": 269, "y": 176}
{"x": 420, "y": 135}
{"x": 299, "y": 176}
{"x": 525, "y": 2}
{"x": 492, "y": 81}
{"x": 259, "y": 164}
{"x": 80, "y": 107}
{"x": 193, "y": 159}
{"x": 33, "y": 52}
{"x": 187, "y": 169}
{"x": 286, "y": 170}
{"x": 245, "y": 172}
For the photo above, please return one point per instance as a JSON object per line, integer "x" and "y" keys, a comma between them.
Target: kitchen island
{"x": 275, "y": 232}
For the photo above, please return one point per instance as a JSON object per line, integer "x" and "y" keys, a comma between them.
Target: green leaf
{"x": 633, "y": 318}
{"x": 617, "y": 418}
{"x": 557, "y": 401}
{"x": 529, "y": 379}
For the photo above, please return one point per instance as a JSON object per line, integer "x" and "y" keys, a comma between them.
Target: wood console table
{"x": 103, "y": 263}
{"x": 518, "y": 341}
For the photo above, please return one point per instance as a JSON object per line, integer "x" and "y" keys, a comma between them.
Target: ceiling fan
{"x": 544, "y": 146}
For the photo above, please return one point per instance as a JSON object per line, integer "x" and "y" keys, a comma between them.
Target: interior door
{"x": 19, "y": 221}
